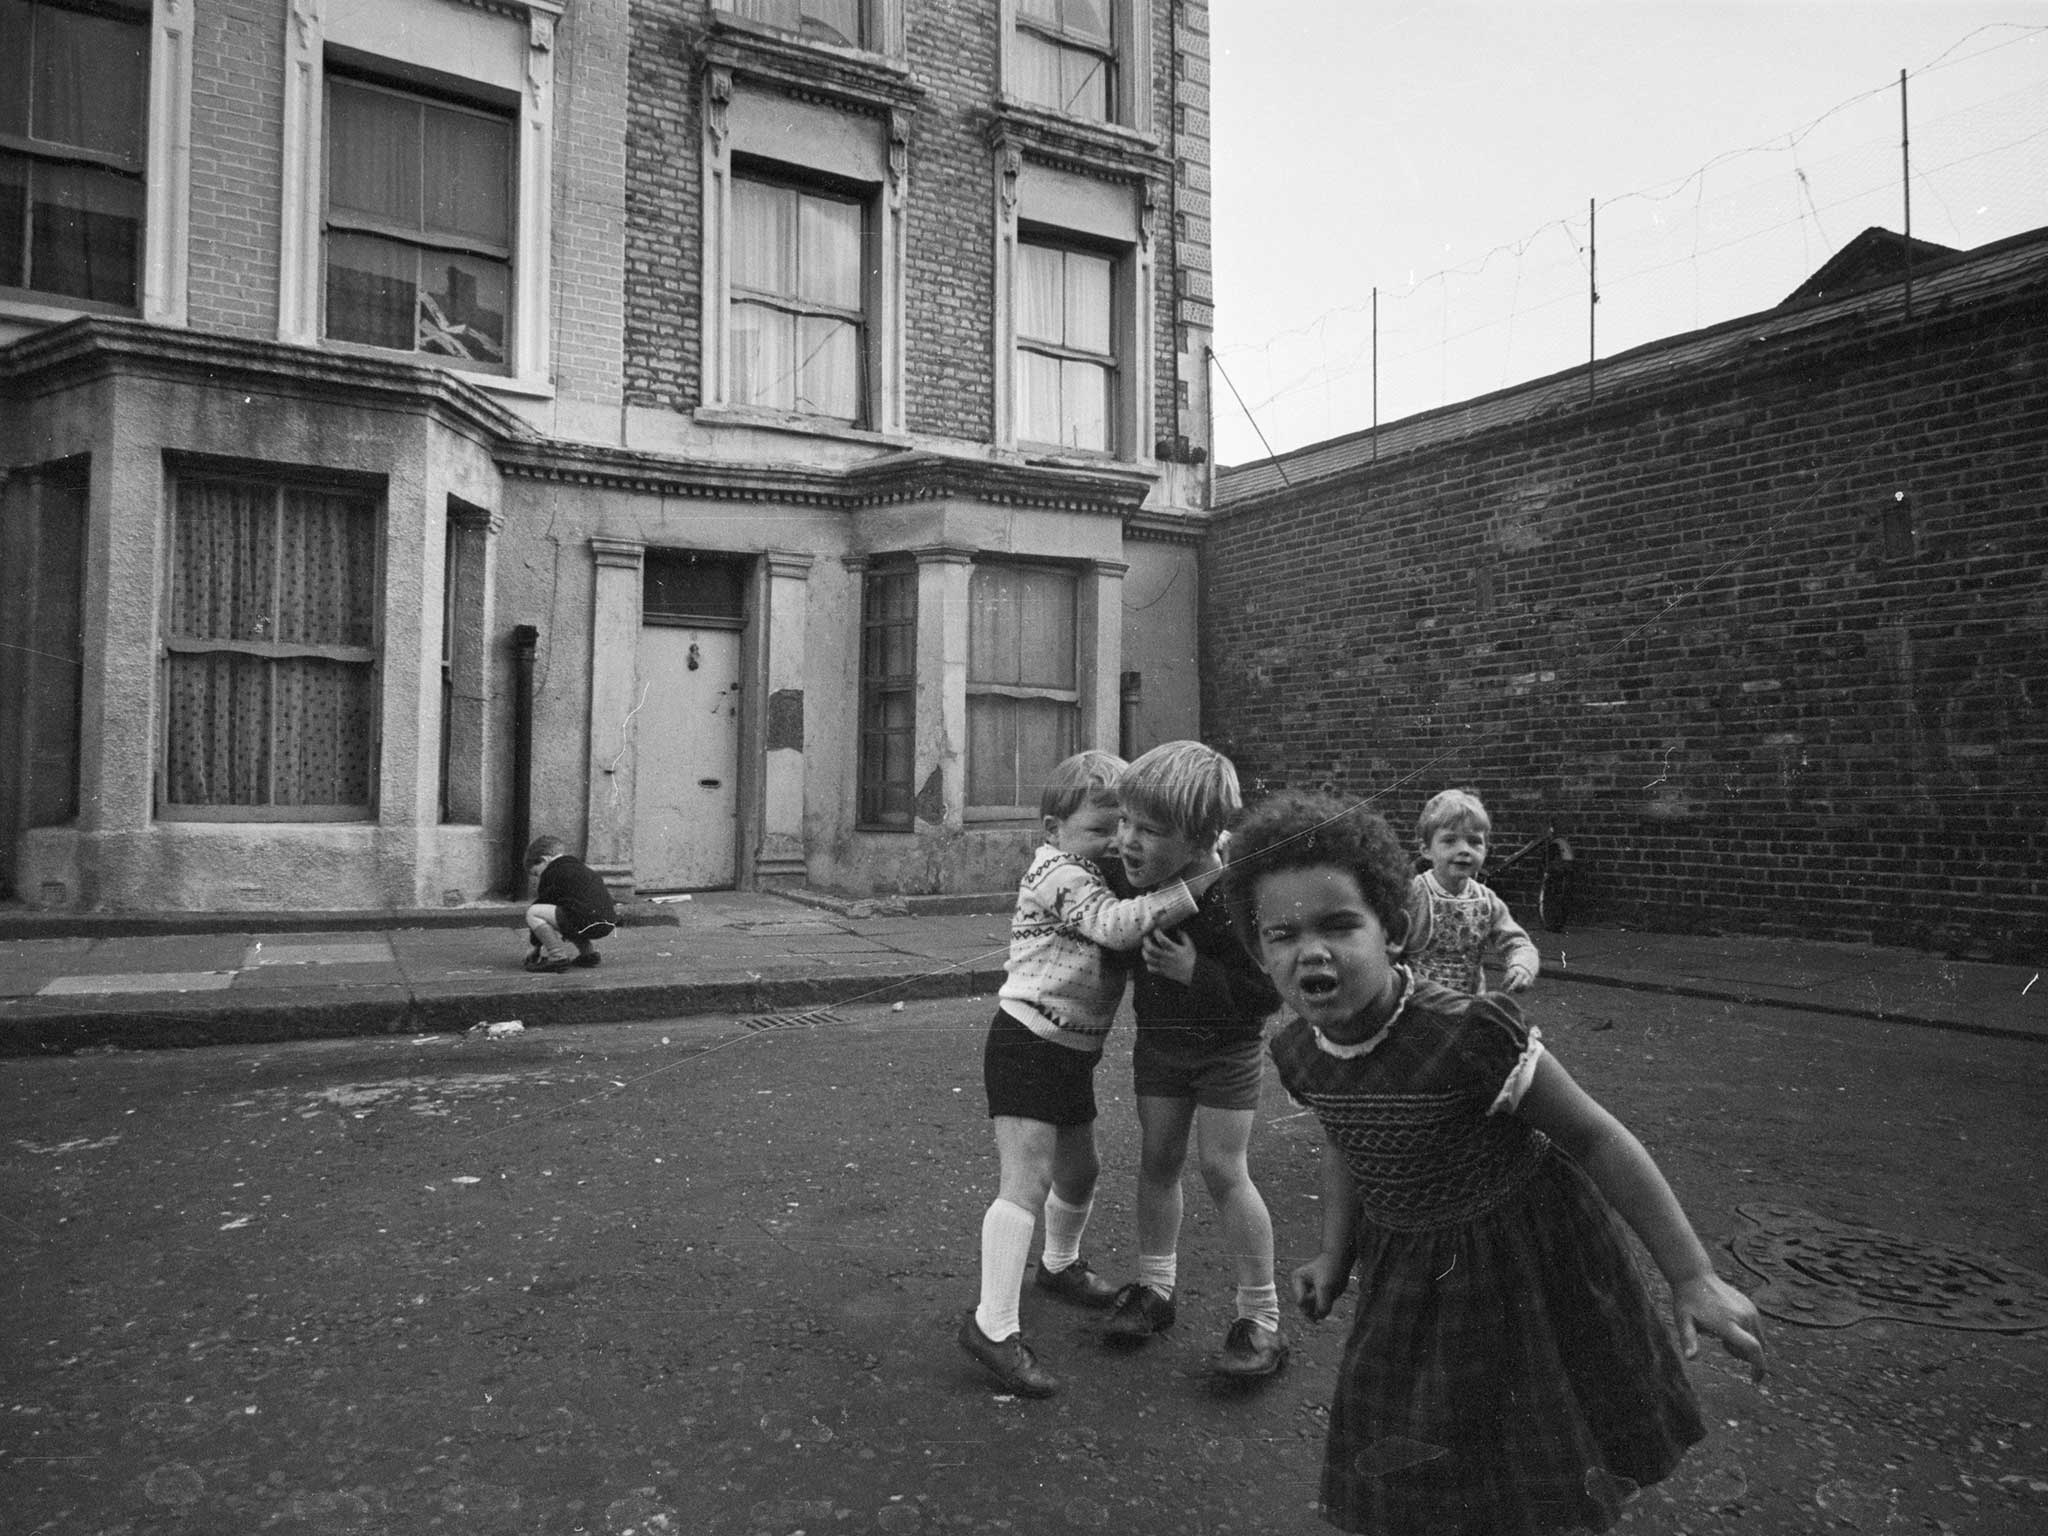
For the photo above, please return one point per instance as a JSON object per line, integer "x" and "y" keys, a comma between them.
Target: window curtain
{"x": 277, "y": 568}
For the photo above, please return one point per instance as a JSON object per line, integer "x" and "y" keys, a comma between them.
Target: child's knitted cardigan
{"x": 1061, "y": 985}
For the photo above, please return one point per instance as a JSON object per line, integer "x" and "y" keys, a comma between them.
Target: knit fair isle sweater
{"x": 1061, "y": 985}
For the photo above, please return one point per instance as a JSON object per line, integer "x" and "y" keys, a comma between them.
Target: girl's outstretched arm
{"x": 1323, "y": 1279}
{"x": 1633, "y": 1185}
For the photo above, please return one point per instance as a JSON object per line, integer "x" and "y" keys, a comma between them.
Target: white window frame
{"x": 167, "y": 184}
{"x": 778, "y": 137}
{"x": 1131, "y": 70}
{"x": 1040, "y": 203}
{"x": 507, "y": 51}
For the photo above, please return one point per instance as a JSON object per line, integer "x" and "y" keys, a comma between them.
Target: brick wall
{"x": 954, "y": 52}
{"x": 237, "y": 116}
{"x": 664, "y": 177}
{"x": 1671, "y": 624}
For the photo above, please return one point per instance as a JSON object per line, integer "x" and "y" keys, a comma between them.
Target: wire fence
{"x": 1735, "y": 237}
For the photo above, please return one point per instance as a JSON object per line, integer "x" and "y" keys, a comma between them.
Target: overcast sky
{"x": 1446, "y": 152}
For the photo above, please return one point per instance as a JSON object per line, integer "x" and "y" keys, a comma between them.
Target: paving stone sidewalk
{"x": 137, "y": 982}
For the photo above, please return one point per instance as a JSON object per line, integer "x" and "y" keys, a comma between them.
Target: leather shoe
{"x": 1250, "y": 1351}
{"x": 1078, "y": 1284}
{"x": 1139, "y": 1313}
{"x": 1010, "y": 1362}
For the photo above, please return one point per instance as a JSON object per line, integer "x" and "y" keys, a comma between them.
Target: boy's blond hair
{"x": 1451, "y": 808}
{"x": 1086, "y": 778}
{"x": 1189, "y": 786}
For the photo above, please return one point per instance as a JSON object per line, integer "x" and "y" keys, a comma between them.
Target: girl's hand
{"x": 1711, "y": 1303}
{"x": 1318, "y": 1284}
{"x": 1171, "y": 955}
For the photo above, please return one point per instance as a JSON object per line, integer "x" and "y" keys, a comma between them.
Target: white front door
{"x": 686, "y": 799}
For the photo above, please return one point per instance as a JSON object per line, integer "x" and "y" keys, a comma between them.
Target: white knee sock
{"x": 1064, "y": 1225}
{"x": 1161, "y": 1271}
{"x": 1005, "y": 1250}
{"x": 1260, "y": 1303}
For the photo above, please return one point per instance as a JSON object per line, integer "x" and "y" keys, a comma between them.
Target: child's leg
{"x": 1163, "y": 1125}
{"x": 1026, "y": 1149}
{"x": 1222, "y": 1146}
{"x": 541, "y": 921}
{"x": 1075, "y": 1168}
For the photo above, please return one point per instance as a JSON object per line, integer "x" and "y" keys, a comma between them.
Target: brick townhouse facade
{"x": 1757, "y": 617}
{"x": 751, "y": 439}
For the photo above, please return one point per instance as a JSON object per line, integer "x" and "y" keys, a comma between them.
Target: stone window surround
{"x": 167, "y": 181}
{"x": 512, "y": 49}
{"x": 859, "y": 138}
{"x": 1112, "y": 211}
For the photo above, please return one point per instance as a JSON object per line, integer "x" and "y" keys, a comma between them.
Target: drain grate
{"x": 806, "y": 1020}
{"x": 1826, "y": 1274}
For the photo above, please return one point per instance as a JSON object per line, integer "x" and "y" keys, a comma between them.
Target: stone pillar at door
{"x": 614, "y": 696}
{"x": 781, "y": 853}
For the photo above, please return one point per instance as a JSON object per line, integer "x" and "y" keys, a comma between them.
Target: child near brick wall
{"x": 1506, "y": 1369}
{"x": 1456, "y": 924}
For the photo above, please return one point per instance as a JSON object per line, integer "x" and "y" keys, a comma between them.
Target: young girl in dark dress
{"x": 1506, "y": 1372}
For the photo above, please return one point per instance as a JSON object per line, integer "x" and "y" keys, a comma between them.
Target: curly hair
{"x": 1299, "y": 830}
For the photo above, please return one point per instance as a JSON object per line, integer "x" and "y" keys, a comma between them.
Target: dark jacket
{"x": 579, "y": 896}
{"x": 1229, "y": 999}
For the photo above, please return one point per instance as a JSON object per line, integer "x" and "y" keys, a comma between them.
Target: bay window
{"x": 270, "y": 650}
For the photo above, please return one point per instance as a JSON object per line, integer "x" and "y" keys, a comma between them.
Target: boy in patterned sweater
{"x": 1054, "y": 1011}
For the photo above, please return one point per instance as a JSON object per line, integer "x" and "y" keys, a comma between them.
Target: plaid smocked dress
{"x": 1507, "y": 1372}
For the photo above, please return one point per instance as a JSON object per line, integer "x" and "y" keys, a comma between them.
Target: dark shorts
{"x": 1032, "y": 1079}
{"x": 1173, "y": 1064}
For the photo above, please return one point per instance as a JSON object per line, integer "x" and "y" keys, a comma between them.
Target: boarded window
{"x": 270, "y": 651}
{"x": 1023, "y": 699}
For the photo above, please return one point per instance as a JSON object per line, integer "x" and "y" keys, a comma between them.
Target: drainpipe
{"x": 525, "y": 640}
{"x": 1128, "y": 698}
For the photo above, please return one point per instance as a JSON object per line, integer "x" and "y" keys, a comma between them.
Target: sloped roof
{"x": 2004, "y": 268}
{"x": 1878, "y": 255}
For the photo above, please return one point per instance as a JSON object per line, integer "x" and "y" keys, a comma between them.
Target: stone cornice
{"x": 835, "y": 76}
{"x": 1167, "y": 528}
{"x": 889, "y": 480}
{"x": 101, "y": 346}
{"x": 1095, "y": 149}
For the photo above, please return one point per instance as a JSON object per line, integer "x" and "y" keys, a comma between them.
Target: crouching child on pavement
{"x": 572, "y": 909}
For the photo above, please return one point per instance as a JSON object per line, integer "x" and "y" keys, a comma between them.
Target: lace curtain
{"x": 270, "y": 685}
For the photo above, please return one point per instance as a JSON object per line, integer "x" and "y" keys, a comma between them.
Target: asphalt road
{"x": 684, "y": 1277}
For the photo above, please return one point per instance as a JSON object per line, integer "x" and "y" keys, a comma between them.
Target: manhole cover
{"x": 1826, "y": 1274}
{"x": 814, "y": 1017}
